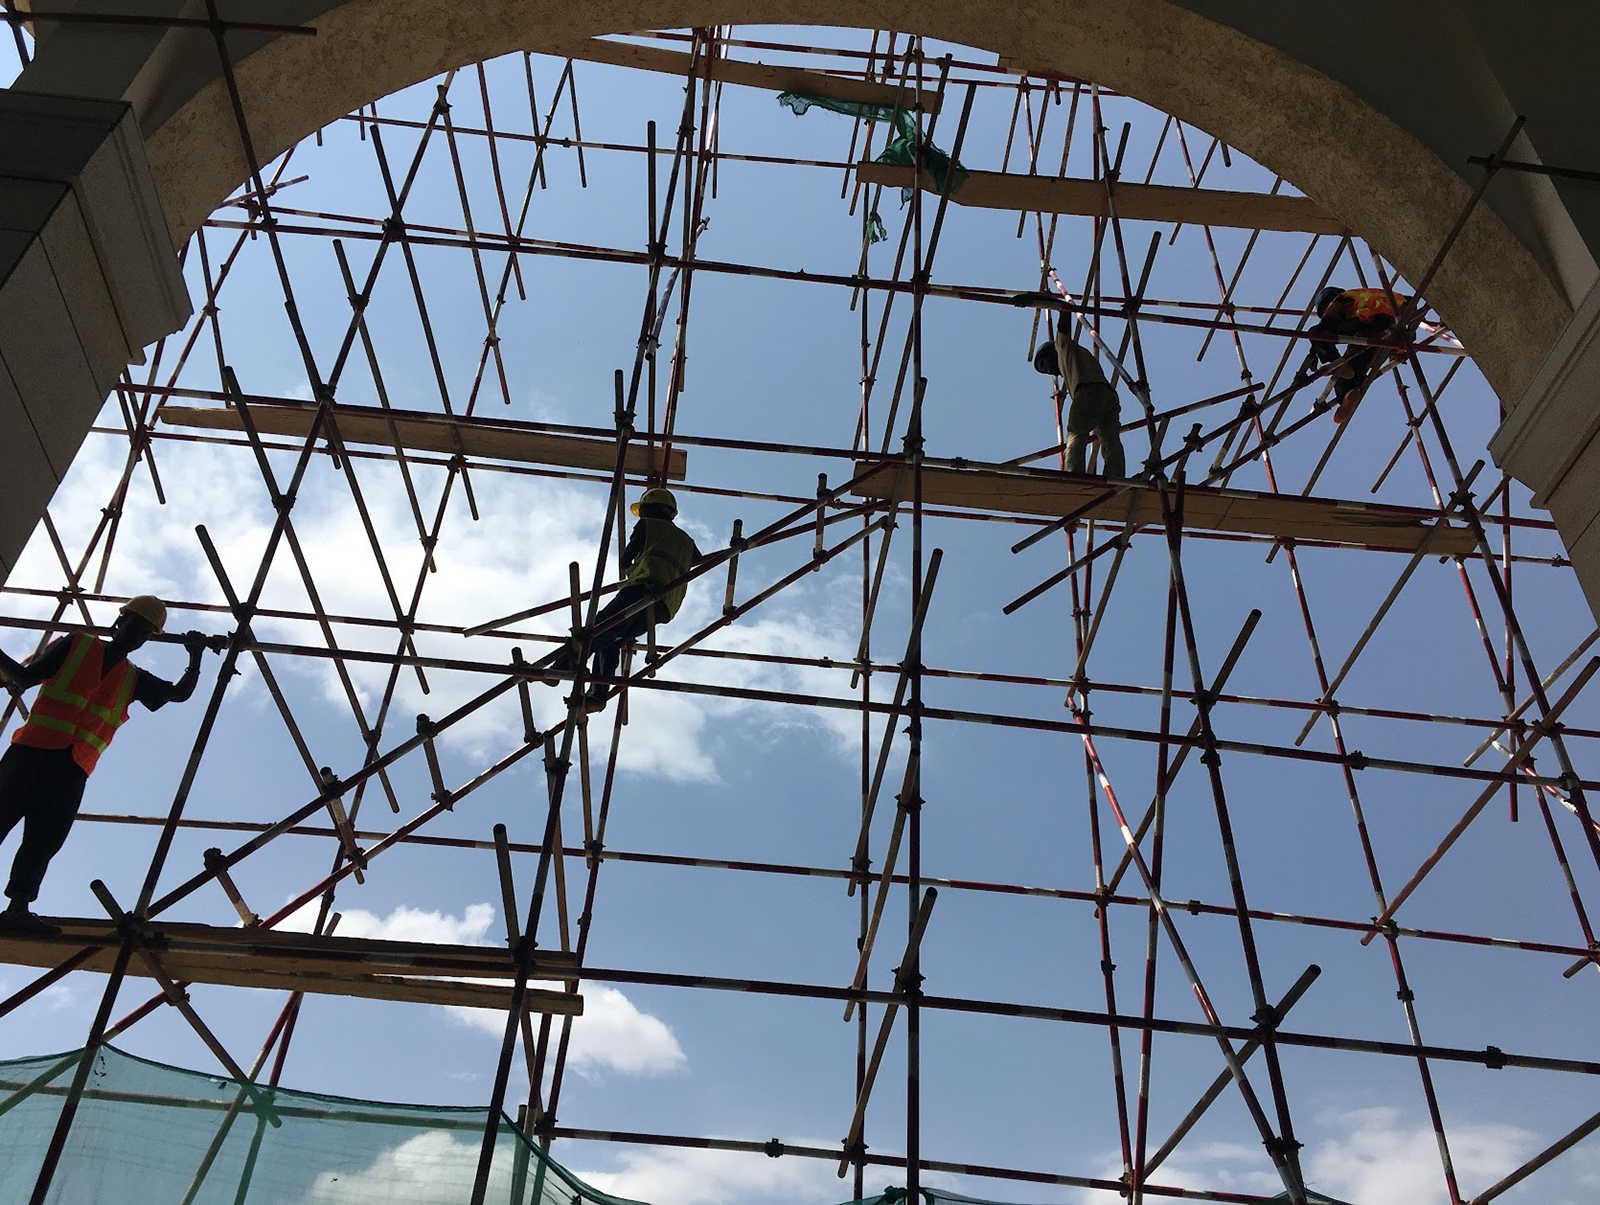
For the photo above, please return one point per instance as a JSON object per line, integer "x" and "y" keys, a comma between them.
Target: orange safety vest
{"x": 1366, "y": 304}
{"x": 81, "y": 706}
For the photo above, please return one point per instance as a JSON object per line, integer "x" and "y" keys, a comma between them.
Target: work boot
{"x": 17, "y": 919}
{"x": 594, "y": 699}
{"x": 1347, "y": 406}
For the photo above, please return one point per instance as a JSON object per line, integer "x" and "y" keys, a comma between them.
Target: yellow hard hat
{"x": 148, "y": 608}
{"x": 656, "y": 497}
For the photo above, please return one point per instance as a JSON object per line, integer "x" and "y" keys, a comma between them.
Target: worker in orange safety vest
{"x": 1365, "y": 313}
{"x": 86, "y": 686}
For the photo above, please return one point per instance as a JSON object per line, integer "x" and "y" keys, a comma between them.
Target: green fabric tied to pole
{"x": 945, "y": 173}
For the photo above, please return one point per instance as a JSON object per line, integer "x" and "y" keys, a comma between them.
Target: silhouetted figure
{"x": 86, "y": 686}
{"x": 658, "y": 553}
{"x": 1095, "y": 409}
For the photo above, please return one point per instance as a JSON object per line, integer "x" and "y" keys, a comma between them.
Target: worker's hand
{"x": 196, "y": 642}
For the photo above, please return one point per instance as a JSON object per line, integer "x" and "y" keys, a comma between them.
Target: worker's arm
{"x": 635, "y": 545}
{"x": 19, "y": 675}
{"x": 1043, "y": 301}
{"x": 1326, "y": 351}
{"x": 155, "y": 693}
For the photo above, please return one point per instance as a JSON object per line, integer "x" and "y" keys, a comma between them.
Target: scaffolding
{"x": 880, "y": 510}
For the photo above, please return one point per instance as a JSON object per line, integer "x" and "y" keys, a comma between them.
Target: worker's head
{"x": 656, "y": 503}
{"x": 1324, "y": 299}
{"x": 140, "y": 618}
{"x": 1046, "y": 361}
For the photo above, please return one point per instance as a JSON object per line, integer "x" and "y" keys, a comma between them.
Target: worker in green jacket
{"x": 658, "y": 554}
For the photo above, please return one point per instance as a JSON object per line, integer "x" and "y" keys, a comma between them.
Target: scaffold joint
{"x": 1282, "y": 1148}
{"x": 908, "y": 983}
{"x": 856, "y": 1152}
{"x": 773, "y": 1149}
{"x": 1356, "y": 760}
{"x": 1406, "y": 996}
{"x": 1494, "y": 1058}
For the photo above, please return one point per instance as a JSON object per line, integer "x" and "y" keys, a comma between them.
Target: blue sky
{"x": 743, "y": 780}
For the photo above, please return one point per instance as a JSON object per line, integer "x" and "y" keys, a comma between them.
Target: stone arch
{"x": 1357, "y": 163}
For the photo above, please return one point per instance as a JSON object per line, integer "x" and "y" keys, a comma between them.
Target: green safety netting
{"x": 144, "y": 1132}
{"x": 945, "y": 173}
{"x": 149, "y": 1134}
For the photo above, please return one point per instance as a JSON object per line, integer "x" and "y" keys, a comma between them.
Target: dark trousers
{"x": 1095, "y": 411}
{"x": 608, "y": 645}
{"x": 1360, "y": 363}
{"x": 42, "y": 789}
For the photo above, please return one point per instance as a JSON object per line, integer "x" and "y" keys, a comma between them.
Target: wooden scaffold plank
{"x": 422, "y": 431}
{"x": 1135, "y": 202}
{"x": 411, "y": 971}
{"x": 773, "y": 77}
{"x": 1052, "y": 494}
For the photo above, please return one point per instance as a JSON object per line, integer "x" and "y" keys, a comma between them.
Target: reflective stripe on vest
{"x": 79, "y": 707}
{"x": 1368, "y": 304}
{"x": 667, "y": 554}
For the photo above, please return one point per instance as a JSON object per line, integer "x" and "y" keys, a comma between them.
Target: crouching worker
{"x": 1365, "y": 313}
{"x": 86, "y": 686}
{"x": 658, "y": 553}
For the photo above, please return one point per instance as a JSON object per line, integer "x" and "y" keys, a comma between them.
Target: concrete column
{"x": 88, "y": 278}
{"x": 1551, "y": 441}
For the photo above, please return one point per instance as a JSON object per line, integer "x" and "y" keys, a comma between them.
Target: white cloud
{"x": 1219, "y": 1166}
{"x": 1378, "y": 1161}
{"x": 612, "y": 1034}
{"x": 516, "y": 556}
{"x": 685, "y": 1176}
{"x": 433, "y": 1168}
{"x": 1364, "y": 1156}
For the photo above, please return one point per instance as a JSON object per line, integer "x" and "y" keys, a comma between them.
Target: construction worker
{"x": 1366, "y": 313}
{"x": 658, "y": 553}
{"x": 1095, "y": 409}
{"x": 86, "y": 686}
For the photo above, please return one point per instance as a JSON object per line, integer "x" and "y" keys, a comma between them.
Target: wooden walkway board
{"x": 420, "y": 431}
{"x": 418, "y": 972}
{"x": 1135, "y": 202}
{"x": 738, "y": 71}
{"x": 1054, "y": 494}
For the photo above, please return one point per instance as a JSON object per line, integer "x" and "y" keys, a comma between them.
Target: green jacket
{"x": 658, "y": 552}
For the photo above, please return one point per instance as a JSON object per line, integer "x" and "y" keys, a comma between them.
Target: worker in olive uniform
{"x": 658, "y": 553}
{"x": 86, "y": 686}
{"x": 1095, "y": 409}
{"x": 1366, "y": 313}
